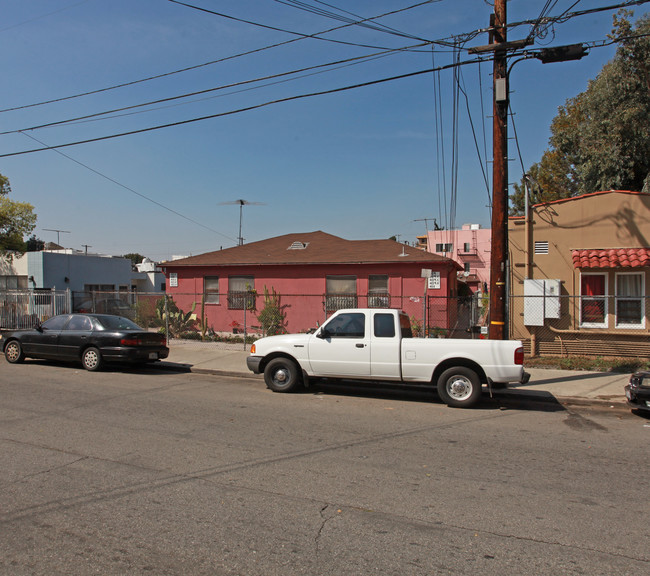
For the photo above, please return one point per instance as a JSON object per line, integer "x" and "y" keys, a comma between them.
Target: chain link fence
{"x": 242, "y": 317}
{"x": 607, "y": 327}
{"x": 590, "y": 326}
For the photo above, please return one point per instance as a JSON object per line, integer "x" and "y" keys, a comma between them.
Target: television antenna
{"x": 426, "y": 223}
{"x": 58, "y": 234}
{"x": 241, "y": 202}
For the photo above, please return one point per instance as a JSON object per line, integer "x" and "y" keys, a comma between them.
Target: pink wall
{"x": 302, "y": 290}
{"x": 480, "y": 243}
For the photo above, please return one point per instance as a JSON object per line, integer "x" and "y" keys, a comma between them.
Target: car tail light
{"x": 519, "y": 356}
{"x": 144, "y": 340}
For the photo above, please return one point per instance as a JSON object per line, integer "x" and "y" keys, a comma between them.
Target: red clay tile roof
{"x": 612, "y": 258}
{"x": 319, "y": 248}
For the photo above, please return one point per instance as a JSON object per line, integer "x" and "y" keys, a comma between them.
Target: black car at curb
{"x": 91, "y": 339}
{"x": 637, "y": 391}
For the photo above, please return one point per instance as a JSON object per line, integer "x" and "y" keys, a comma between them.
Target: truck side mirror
{"x": 323, "y": 334}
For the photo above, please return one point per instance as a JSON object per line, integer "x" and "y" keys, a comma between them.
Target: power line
{"x": 566, "y": 16}
{"x": 316, "y": 36}
{"x": 126, "y": 188}
{"x": 246, "y": 109}
{"x": 284, "y": 30}
{"x": 42, "y": 16}
{"x": 334, "y": 65}
{"x": 333, "y": 15}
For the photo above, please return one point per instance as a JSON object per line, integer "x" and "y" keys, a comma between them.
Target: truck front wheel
{"x": 459, "y": 387}
{"x": 281, "y": 375}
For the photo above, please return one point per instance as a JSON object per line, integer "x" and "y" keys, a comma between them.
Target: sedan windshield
{"x": 116, "y": 323}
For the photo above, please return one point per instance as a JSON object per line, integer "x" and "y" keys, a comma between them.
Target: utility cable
{"x": 565, "y": 17}
{"x": 112, "y": 180}
{"x": 476, "y": 144}
{"x": 333, "y": 15}
{"x": 316, "y": 35}
{"x": 334, "y": 65}
{"x": 240, "y": 110}
{"x": 43, "y": 16}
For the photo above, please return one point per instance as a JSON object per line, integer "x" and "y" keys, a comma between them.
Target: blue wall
{"x": 50, "y": 270}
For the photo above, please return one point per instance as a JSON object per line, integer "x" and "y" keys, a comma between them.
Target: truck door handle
{"x": 360, "y": 345}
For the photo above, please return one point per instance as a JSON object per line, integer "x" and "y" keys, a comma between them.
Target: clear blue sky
{"x": 361, "y": 164}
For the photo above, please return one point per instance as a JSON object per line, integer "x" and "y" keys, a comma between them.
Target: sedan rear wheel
{"x": 14, "y": 352}
{"x": 91, "y": 359}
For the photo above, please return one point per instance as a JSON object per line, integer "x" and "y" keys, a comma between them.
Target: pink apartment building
{"x": 470, "y": 247}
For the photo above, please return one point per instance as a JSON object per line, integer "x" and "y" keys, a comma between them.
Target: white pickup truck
{"x": 377, "y": 344}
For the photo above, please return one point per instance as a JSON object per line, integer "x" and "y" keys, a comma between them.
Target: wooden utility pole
{"x": 499, "y": 258}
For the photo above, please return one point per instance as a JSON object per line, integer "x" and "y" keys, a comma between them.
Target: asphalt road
{"x": 156, "y": 472}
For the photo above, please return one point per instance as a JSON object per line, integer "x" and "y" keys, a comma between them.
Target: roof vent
{"x": 298, "y": 246}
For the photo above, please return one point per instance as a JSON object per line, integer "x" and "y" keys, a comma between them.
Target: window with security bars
{"x": 629, "y": 300}
{"x": 593, "y": 300}
{"x": 378, "y": 296}
{"x": 211, "y": 290}
{"x": 240, "y": 293}
{"x": 340, "y": 292}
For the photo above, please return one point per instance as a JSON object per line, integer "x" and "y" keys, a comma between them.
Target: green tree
{"x": 600, "y": 140}
{"x": 135, "y": 258}
{"x": 17, "y": 219}
{"x": 34, "y": 244}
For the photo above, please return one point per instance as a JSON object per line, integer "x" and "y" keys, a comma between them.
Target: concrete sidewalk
{"x": 564, "y": 386}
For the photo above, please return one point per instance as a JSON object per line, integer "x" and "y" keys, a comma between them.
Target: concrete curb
{"x": 515, "y": 394}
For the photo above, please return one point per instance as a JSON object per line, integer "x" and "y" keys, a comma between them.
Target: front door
{"x": 42, "y": 343}
{"x": 345, "y": 349}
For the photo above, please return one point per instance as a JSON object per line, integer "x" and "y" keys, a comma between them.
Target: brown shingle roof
{"x": 311, "y": 248}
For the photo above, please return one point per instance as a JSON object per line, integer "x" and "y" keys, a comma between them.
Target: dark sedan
{"x": 637, "y": 391}
{"x": 90, "y": 338}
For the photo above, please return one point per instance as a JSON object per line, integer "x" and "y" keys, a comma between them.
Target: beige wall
{"x": 597, "y": 221}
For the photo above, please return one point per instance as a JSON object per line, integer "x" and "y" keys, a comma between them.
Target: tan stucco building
{"x": 579, "y": 275}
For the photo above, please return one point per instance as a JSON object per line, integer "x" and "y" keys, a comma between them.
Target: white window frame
{"x": 604, "y": 298}
{"x": 340, "y": 292}
{"x": 239, "y": 299}
{"x": 378, "y": 296}
{"x": 640, "y": 298}
{"x": 210, "y": 295}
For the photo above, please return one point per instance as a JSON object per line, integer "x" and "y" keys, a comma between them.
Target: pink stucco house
{"x": 313, "y": 275}
{"x": 470, "y": 247}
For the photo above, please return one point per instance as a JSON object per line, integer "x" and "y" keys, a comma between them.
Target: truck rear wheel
{"x": 282, "y": 375}
{"x": 459, "y": 387}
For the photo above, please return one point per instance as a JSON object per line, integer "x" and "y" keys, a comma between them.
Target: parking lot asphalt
{"x": 564, "y": 386}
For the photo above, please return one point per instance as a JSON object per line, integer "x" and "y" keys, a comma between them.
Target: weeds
{"x": 597, "y": 364}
